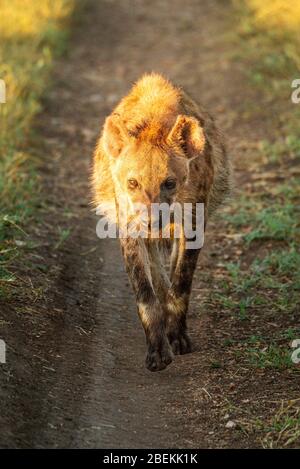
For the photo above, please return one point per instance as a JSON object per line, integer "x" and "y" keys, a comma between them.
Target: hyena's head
{"x": 150, "y": 163}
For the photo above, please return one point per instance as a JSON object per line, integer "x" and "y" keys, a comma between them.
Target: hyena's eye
{"x": 169, "y": 184}
{"x": 132, "y": 184}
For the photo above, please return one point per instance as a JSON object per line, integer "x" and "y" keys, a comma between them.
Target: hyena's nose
{"x": 151, "y": 197}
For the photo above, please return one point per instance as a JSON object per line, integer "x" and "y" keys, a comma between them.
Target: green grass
{"x": 280, "y": 428}
{"x": 271, "y": 283}
{"x": 271, "y": 352}
{"x": 269, "y": 214}
{"x": 259, "y": 290}
{"x": 271, "y": 218}
{"x": 32, "y": 34}
{"x": 283, "y": 149}
{"x": 273, "y": 213}
{"x": 270, "y": 357}
{"x": 63, "y": 236}
{"x": 270, "y": 40}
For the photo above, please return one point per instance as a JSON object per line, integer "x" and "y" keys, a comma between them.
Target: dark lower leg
{"x": 151, "y": 313}
{"x": 178, "y": 298}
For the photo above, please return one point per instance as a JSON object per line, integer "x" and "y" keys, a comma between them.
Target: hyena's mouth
{"x": 153, "y": 228}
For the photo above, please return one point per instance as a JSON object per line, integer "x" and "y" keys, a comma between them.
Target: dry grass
{"x": 276, "y": 14}
{"x": 31, "y": 17}
{"x": 273, "y": 26}
{"x": 280, "y": 430}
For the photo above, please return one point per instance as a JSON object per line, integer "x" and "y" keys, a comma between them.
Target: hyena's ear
{"x": 114, "y": 135}
{"x": 188, "y": 134}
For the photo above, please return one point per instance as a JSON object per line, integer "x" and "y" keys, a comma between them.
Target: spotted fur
{"x": 157, "y": 132}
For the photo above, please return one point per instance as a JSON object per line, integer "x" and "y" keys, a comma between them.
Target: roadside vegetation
{"x": 260, "y": 286}
{"x": 32, "y": 34}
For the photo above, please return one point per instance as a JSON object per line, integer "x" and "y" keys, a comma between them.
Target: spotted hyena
{"x": 158, "y": 146}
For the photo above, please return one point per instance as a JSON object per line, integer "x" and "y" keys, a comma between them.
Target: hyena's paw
{"x": 158, "y": 358}
{"x": 180, "y": 343}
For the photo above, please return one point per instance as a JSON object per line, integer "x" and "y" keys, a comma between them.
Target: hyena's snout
{"x": 154, "y": 221}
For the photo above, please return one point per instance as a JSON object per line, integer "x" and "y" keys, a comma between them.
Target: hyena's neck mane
{"x": 150, "y": 109}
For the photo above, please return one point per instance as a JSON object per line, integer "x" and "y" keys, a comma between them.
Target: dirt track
{"x": 75, "y": 375}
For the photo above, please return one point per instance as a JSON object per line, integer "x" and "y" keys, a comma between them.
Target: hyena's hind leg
{"x": 182, "y": 272}
{"x": 152, "y": 315}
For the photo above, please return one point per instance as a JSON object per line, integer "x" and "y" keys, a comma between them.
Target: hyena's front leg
{"x": 178, "y": 297}
{"x": 160, "y": 278}
{"x": 153, "y": 318}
